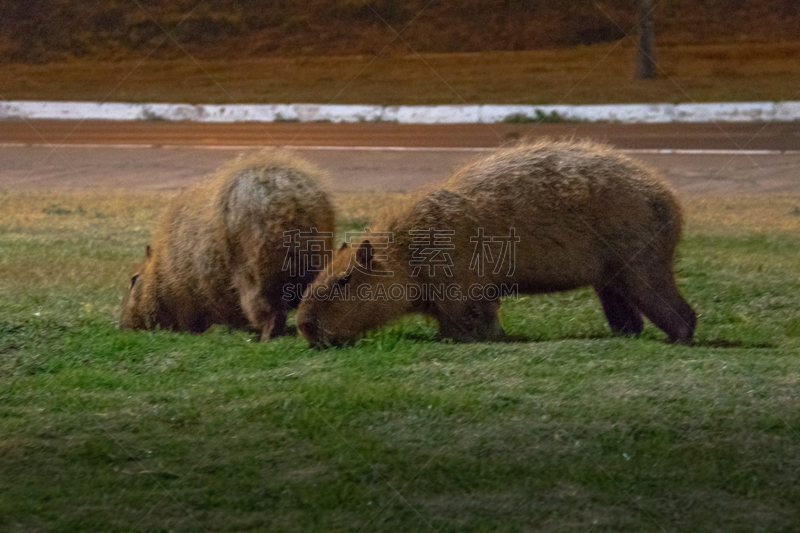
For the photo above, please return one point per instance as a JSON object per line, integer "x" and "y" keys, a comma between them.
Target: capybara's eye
{"x": 133, "y": 279}
{"x": 344, "y": 280}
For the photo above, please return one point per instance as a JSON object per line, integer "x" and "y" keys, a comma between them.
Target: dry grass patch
{"x": 79, "y": 210}
{"x": 739, "y": 213}
{"x": 594, "y": 74}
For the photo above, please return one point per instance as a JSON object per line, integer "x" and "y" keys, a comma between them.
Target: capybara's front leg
{"x": 193, "y": 319}
{"x": 473, "y": 321}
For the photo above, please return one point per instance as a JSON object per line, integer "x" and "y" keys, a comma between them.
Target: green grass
{"x": 567, "y": 428}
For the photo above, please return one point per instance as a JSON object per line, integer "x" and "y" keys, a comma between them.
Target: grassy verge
{"x": 582, "y": 75}
{"x": 567, "y": 429}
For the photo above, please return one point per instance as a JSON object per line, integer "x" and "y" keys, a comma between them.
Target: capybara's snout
{"x": 309, "y": 329}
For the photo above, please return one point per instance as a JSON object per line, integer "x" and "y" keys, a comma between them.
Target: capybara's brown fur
{"x": 583, "y": 214}
{"x": 219, "y": 254}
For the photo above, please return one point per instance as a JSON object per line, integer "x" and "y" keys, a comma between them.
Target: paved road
{"x": 171, "y": 155}
{"x": 772, "y": 136}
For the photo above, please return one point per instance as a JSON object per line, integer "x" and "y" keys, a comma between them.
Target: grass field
{"x": 566, "y": 429}
{"x": 594, "y": 74}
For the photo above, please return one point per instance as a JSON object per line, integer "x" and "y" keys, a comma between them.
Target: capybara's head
{"x": 135, "y": 313}
{"x": 353, "y": 296}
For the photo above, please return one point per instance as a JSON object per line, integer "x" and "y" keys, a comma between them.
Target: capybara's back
{"x": 580, "y": 210}
{"x": 225, "y": 250}
{"x": 544, "y": 217}
{"x": 585, "y": 215}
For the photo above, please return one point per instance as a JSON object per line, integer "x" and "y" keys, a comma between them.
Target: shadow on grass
{"x": 422, "y": 337}
{"x": 518, "y": 338}
{"x": 512, "y": 338}
{"x": 722, "y": 343}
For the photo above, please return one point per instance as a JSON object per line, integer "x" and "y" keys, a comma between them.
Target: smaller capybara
{"x": 535, "y": 218}
{"x": 225, "y": 249}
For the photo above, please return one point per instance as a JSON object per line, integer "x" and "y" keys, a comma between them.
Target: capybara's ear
{"x": 148, "y": 252}
{"x": 365, "y": 254}
{"x": 344, "y": 246}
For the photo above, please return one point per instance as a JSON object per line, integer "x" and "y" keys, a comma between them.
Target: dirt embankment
{"x": 54, "y": 30}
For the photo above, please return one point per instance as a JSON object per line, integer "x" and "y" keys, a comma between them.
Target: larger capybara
{"x": 225, "y": 249}
{"x": 536, "y": 218}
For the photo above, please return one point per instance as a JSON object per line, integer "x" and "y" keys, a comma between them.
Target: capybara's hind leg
{"x": 623, "y": 318}
{"x": 266, "y": 312}
{"x": 275, "y": 325}
{"x": 658, "y": 298}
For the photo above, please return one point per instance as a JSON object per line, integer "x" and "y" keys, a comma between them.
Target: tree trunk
{"x": 646, "y": 64}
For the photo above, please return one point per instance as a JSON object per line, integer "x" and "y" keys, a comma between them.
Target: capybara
{"x": 542, "y": 217}
{"x": 225, "y": 249}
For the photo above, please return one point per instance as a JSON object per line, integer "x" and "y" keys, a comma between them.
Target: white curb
{"x": 441, "y": 114}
